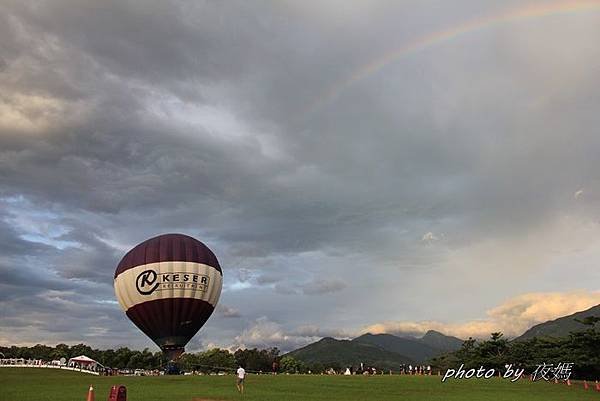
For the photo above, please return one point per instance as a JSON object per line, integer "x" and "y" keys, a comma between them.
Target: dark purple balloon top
{"x": 168, "y": 248}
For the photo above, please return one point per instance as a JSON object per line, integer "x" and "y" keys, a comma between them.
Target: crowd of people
{"x": 415, "y": 370}
{"x": 369, "y": 370}
{"x": 56, "y": 364}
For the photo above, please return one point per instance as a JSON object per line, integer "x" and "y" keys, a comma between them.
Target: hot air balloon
{"x": 169, "y": 286}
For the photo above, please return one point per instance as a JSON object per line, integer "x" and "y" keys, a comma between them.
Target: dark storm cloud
{"x": 24, "y": 279}
{"x": 123, "y": 120}
{"x": 12, "y": 245}
{"x": 90, "y": 261}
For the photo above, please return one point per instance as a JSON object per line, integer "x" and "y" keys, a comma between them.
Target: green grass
{"x": 31, "y": 384}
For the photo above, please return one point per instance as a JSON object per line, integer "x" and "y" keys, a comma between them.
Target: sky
{"x": 355, "y": 166}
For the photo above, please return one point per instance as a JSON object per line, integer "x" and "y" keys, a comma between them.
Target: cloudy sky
{"x": 381, "y": 166}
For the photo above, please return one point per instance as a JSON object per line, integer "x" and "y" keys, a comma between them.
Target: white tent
{"x": 84, "y": 362}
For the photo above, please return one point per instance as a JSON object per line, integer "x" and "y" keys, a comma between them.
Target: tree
{"x": 289, "y": 364}
{"x": 61, "y": 351}
{"x": 255, "y": 359}
{"x": 215, "y": 360}
{"x": 189, "y": 362}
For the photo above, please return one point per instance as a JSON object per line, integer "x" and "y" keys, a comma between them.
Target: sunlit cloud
{"x": 513, "y": 317}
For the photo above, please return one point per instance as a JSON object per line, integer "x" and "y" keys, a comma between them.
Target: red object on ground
{"x": 568, "y": 382}
{"x": 90, "y": 396}
{"x": 597, "y": 386}
{"x": 117, "y": 393}
{"x": 585, "y": 385}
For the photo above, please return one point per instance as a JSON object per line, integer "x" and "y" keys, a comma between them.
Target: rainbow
{"x": 521, "y": 13}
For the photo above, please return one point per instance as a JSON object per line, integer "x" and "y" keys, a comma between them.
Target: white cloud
{"x": 35, "y": 114}
{"x": 226, "y": 311}
{"x": 512, "y": 317}
{"x": 429, "y": 237}
{"x": 264, "y": 333}
{"x": 204, "y": 119}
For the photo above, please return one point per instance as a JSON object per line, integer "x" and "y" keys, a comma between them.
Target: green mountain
{"x": 560, "y": 327}
{"x": 411, "y": 347}
{"x": 331, "y": 352}
{"x": 441, "y": 341}
{"x": 417, "y": 349}
{"x": 385, "y": 351}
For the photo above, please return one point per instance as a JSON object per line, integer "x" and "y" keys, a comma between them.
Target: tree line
{"x": 218, "y": 360}
{"x": 121, "y": 358}
{"x": 582, "y": 348}
{"x": 212, "y": 360}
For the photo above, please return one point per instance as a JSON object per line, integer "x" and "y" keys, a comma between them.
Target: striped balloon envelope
{"x": 169, "y": 286}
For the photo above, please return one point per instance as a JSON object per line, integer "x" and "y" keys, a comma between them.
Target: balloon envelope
{"x": 169, "y": 286}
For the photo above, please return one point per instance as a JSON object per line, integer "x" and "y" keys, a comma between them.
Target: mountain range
{"x": 432, "y": 344}
{"x": 562, "y": 326}
{"x": 382, "y": 350}
{"x": 388, "y": 351}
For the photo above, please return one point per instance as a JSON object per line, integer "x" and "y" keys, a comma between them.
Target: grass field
{"x": 31, "y": 384}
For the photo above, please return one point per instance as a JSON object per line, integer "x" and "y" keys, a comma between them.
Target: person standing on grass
{"x": 241, "y": 375}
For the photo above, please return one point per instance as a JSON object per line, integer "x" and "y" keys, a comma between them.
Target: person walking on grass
{"x": 241, "y": 375}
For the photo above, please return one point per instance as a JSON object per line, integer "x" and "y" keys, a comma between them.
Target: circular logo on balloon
{"x": 146, "y": 282}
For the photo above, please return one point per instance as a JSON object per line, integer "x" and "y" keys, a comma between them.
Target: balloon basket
{"x": 172, "y": 368}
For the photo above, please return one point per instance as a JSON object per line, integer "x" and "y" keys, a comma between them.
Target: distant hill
{"x": 441, "y": 341}
{"x": 411, "y": 347}
{"x": 560, "y": 327}
{"x": 329, "y": 351}
{"x": 417, "y": 349}
{"x": 381, "y": 350}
